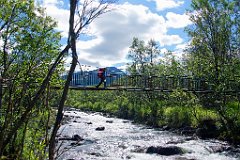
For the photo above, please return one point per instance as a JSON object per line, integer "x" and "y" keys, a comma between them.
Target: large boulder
{"x": 167, "y": 151}
{"x": 207, "y": 129}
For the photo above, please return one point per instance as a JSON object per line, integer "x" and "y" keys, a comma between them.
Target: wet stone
{"x": 109, "y": 121}
{"x": 166, "y": 128}
{"x": 138, "y": 149}
{"x": 73, "y": 138}
{"x": 167, "y": 151}
{"x": 96, "y": 154}
{"x": 100, "y": 129}
{"x": 75, "y": 144}
{"x": 187, "y": 131}
{"x": 76, "y": 137}
{"x": 175, "y": 142}
{"x": 184, "y": 158}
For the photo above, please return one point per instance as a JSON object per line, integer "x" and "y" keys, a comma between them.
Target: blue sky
{"x": 110, "y": 36}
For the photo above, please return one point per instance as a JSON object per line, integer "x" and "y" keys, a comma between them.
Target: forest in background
{"x": 32, "y": 61}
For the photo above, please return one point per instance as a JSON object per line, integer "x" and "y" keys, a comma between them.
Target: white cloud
{"x": 163, "y": 50}
{"x": 170, "y": 40}
{"x": 182, "y": 46}
{"x": 167, "y": 4}
{"x": 113, "y": 32}
{"x": 53, "y": 9}
{"x": 179, "y": 50}
{"x": 177, "y": 20}
{"x": 119, "y": 27}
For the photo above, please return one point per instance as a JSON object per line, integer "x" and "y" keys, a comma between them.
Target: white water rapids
{"x": 122, "y": 139}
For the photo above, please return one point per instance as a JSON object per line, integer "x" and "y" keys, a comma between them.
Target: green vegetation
{"x": 212, "y": 55}
{"x": 31, "y": 63}
{"x": 30, "y": 43}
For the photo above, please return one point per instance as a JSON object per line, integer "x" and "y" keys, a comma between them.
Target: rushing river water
{"x": 121, "y": 139}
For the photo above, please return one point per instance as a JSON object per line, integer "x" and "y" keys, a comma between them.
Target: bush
{"x": 177, "y": 117}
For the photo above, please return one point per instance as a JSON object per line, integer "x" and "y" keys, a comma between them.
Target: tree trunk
{"x": 72, "y": 41}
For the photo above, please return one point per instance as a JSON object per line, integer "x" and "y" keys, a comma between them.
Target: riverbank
{"x": 178, "y": 111}
{"x": 177, "y": 120}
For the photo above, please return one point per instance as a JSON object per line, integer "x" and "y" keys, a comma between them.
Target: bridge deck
{"x": 122, "y": 88}
{"x": 145, "y": 83}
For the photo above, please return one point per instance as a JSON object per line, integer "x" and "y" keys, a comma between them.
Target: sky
{"x": 109, "y": 37}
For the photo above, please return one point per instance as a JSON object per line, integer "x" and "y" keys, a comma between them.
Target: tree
{"x": 137, "y": 55}
{"x": 214, "y": 49}
{"x": 86, "y": 12}
{"x": 29, "y": 44}
{"x": 152, "y": 52}
{"x": 214, "y": 53}
{"x": 143, "y": 56}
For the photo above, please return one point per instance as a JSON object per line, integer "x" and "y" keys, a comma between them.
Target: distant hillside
{"x": 110, "y": 70}
{"x": 90, "y": 78}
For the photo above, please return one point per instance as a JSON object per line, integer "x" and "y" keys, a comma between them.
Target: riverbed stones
{"x": 167, "y": 151}
{"x": 187, "y": 131}
{"x": 100, "y": 129}
{"x": 109, "y": 121}
{"x": 75, "y": 137}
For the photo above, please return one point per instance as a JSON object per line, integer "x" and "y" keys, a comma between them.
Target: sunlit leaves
{"x": 29, "y": 44}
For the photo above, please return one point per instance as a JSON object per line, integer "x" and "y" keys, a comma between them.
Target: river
{"x": 115, "y": 139}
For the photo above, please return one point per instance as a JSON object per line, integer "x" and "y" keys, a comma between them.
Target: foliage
{"x": 214, "y": 54}
{"x": 143, "y": 57}
{"x": 29, "y": 45}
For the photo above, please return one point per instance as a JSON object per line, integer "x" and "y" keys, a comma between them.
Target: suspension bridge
{"x": 137, "y": 82}
{"x": 166, "y": 83}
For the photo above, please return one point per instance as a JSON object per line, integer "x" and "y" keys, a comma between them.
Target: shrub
{"x": 178, "y": 116}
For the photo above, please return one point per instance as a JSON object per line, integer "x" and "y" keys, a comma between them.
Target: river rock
{"x": 176, "y": 142}
{"x": 166, "y": 128}
{"x": 183, "y": 158}
{"x": 109, "y": 121}
{"x": 96, "y": 154}
{"x": 138, "y": 149}
{"x": 187, "y": 130}
{"x": 206, "y": 133}
{"x": 75, "y": 144}
{"x": 167, "y": 151}
{"x": 100, "y": 129}
{"x": 75, "y": 137}
{"x": 207, "y": 129}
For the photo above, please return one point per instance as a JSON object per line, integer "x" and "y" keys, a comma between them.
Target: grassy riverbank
{"x": 179, "y": 111}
